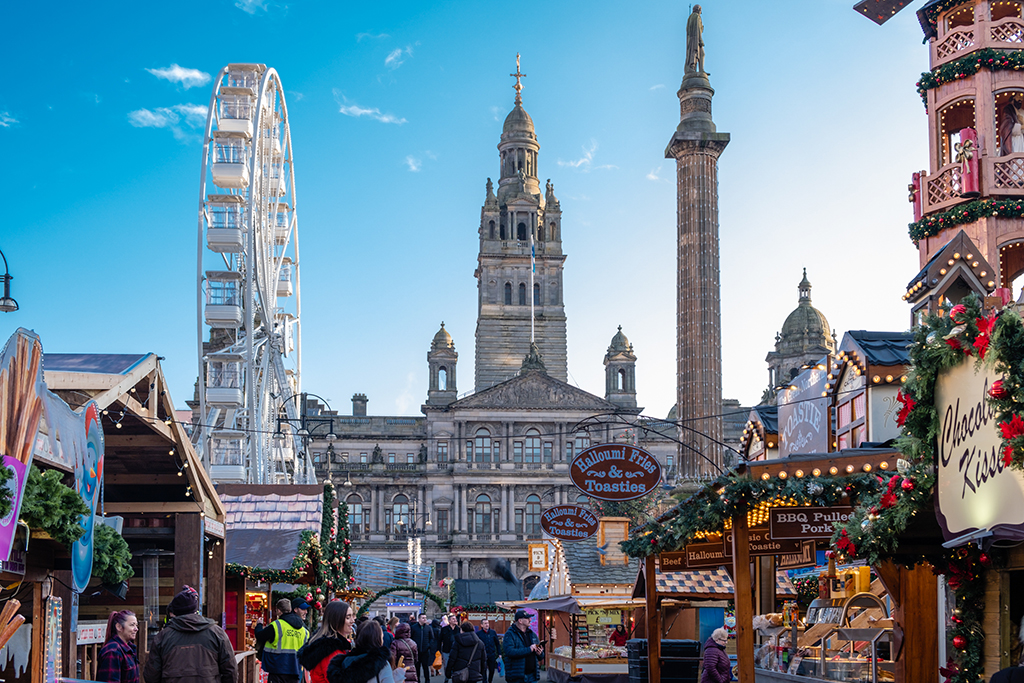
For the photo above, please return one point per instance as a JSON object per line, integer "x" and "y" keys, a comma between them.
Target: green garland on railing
{"x": 706, "y": 511}
{"x": 111, "y": 559}
{"x": 52, "y": 507}
{"x": 965, "y": 213}
{"x": 987, "y": 58}
{"x": 400, "y": 589}
{"x": 963, "y": 569}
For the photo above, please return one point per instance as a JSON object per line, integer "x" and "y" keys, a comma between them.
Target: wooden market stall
{"x": 154, "y": 483}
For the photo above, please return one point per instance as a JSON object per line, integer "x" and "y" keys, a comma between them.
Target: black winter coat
{"x": 447, "y": 633}
{"x": 359, "y": 667}
{"x": 463, "y": 656}
{"x": 426, "y": 643}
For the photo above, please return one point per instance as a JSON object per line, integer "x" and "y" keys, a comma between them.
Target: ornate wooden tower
{"x": 974, "y": 94}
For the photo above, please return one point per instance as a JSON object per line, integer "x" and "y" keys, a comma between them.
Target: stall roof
{"x": 883, "y": 348}
{"x": 487, "y": 591}
{"x": 273, "y": 507}
{"x": 95, "y": 363}
{"x": 573, "y": 604}
{"x": 257, "y": 548}
{"x": 583, "y": 561}
{"x": 769, "y": 416}
{"x": 709, "y": 583}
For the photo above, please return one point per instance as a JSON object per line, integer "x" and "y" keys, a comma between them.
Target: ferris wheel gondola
{"x": 248, "y": 299}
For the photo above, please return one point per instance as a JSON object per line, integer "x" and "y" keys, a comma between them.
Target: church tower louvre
{"x": 974, "y": 95}
{"x": 512, "y": 218}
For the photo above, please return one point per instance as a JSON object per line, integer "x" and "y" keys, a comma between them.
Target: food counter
{"x": 589, "y": 657}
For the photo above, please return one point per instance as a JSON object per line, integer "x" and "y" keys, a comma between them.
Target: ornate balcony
{"x": 1003, "y": 34}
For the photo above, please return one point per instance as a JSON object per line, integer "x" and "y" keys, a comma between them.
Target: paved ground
{"x": 497, "y": 678}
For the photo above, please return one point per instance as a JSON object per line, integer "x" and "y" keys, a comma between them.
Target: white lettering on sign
{"x": 974, "y": 490}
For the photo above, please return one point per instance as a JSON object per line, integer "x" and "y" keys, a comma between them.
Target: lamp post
{"x": 7, "y": 303}
{"x": 305, "y": 424}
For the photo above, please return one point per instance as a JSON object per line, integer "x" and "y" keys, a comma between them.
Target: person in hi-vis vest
{"x": 281, "y": 640}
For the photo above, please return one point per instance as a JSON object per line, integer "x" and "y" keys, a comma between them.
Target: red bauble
{"x": 908, "y": 484}
{"x": 984, "y": 560}
{"x": 318, "y": 605}
{"x": 959, "y": 642}
{"x": 955, "y": 619}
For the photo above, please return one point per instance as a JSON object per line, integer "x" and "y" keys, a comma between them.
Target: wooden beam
{"x": 135, "y": 441}
{"x": 36, "y": 664}
{"x": 653, "y": 621}
{"x": 113, "y": 479}
{"x": 79, "y": 381}
{"x": 743, "y": 598}
{"x": 165, "y": 507}
{"x": 123, "y": 384}
{"x": 765, "y": 584}
{"x": 215, "y": 581}
{"x": 917, "y": 615}
{"x": 188, "y": 551}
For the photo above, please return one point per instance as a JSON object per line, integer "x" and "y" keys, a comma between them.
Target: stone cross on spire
{"x": 518, "y": 86}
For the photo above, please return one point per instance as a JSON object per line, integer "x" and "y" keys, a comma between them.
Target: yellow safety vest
{"x": 286, "y": 638}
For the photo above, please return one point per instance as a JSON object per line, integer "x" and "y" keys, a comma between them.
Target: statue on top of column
{"x": 695, "y": 43}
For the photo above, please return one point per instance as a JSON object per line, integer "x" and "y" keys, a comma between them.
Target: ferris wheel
{"x": 247, "y": 281}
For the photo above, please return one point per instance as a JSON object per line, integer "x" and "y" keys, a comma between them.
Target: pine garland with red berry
{"x": 962, "y": 214}
{"x": 986, "y": 58}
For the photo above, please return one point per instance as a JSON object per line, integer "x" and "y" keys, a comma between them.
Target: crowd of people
{"x": 193, "y": 649}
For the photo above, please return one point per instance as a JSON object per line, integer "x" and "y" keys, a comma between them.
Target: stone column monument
{"x": 696, "y": 146}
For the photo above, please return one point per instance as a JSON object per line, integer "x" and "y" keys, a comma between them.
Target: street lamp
{"x": 7, "y": 303}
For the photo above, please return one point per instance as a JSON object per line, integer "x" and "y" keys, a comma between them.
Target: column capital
{"x": 684, "y": 143}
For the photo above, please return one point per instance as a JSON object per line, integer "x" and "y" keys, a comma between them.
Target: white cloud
{"x": 355, "y": 111}
{"x": 407, "y": 400}
{"x": 372, "y": 36}
{"x": 413, "y": 163}
{"x": 251, "y": 6}
{"x": 6, "y": 120}
{"x": 394, "y": 58}
{"x": 656, "y": 87}
{"x": 585, "y": 162}
{"x": 176, "y": 118}
{"x": 653, "y": 175}
{"x": 188, "y": 78}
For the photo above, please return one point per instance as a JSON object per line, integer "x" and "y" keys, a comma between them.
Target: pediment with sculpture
{"x": 534, "y": 391}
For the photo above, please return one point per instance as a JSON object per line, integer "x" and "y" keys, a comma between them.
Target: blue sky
{"x": 395, "y": 112}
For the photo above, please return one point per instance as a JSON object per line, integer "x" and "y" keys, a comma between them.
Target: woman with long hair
{"x": 368, "y": 662}
{"x": 618, "y": 636}
{"x": 330, "y": 640}
{"x": 118, "y": 659}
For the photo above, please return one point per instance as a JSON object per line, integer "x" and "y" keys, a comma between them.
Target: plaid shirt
{"x": 118, "y": 663}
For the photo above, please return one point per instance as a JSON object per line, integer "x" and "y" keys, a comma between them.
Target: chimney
{"x": 359, "y": 402}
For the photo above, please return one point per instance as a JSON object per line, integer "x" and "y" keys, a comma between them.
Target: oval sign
{"x": 569, "y": 522}
{"x": 615, "y": 471}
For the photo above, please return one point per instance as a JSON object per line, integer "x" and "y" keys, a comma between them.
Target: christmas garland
{"x": 987, "y": 58}
{"x": 399, "y": 589}
{"x": 52, "y": 507}
{"x": 111, "y": 559}
{"x": 963, "y": 214}
{"x": 943, "y": 342}
{"x": 708, "y": 510}
{"x": 932, "y": 11}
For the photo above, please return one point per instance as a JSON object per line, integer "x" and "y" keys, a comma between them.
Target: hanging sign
{"x": 538, "y": 557}
{"x": 708, "y": 554}
{"x": 569, "y": 523}
{"x": 761, "y": 543}
{"x": 974, "y": 490}
{"x": 807, "y": 557}
{"x": 615, "y": 472}
{"x": 806, "y": 523}
{"x": 804, "y": 423}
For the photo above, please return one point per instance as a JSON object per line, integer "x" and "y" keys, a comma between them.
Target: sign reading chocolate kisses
{"x": 615, "y": 472}
{"x": 569, "y": 523}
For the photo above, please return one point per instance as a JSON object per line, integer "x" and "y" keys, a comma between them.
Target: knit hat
{"x": 185, "y": 602}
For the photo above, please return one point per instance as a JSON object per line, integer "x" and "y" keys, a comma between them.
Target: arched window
{"x": 482, "y": 446}
{"x": 533, "y": 514}
{"x": 540, "y": 232}
{"x": 551, "y": 232}
{"x": 574, "y": 447}
{"x": 491, "y": 225}
{"x": 355, "y": 513}
{"x": 521, "y": 232}
{"x": 399, "y": 514}
{"x": 442, "y": 379}
{"x": 531, "y": 446}
{"x": 620, "y": 380}
{"x": 536, "y": 294}
{"x": 508, "y": 293}
{"x": 482, "y": 514}
{"x": 501, "y": 230}
{"x": 522, "y": 294}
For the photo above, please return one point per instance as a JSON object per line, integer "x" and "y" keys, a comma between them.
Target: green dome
{"x": 806, "y": 327}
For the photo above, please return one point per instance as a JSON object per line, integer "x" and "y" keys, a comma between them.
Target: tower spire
{"x": 518, "y": 86}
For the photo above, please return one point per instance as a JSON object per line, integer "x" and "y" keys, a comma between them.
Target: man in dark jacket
{"x": 521, "y": 651}
{"x": 426, "y": 646}
{"x": 467, "y": 653}
{"x": 282, "y": 638}
{"x": 190, "y": 647}
{"x": 492, "y": 646}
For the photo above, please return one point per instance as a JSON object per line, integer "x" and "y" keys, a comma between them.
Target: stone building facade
{"x": 471, "y": 477}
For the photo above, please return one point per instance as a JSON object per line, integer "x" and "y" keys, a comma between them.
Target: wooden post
{"x": 188, "y": 551}
{"x": 653, "y": 622}
{"x": 744, "y": 601}
{"x": 765, "y": 584}
{"x": 38, "y": 633}
{"x": 917, "y": 614}
{"x": 215, "y": 582}
{"x": 60, "y": 588}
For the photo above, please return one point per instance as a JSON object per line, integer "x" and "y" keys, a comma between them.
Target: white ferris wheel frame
{"x": 261, "y": 406}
